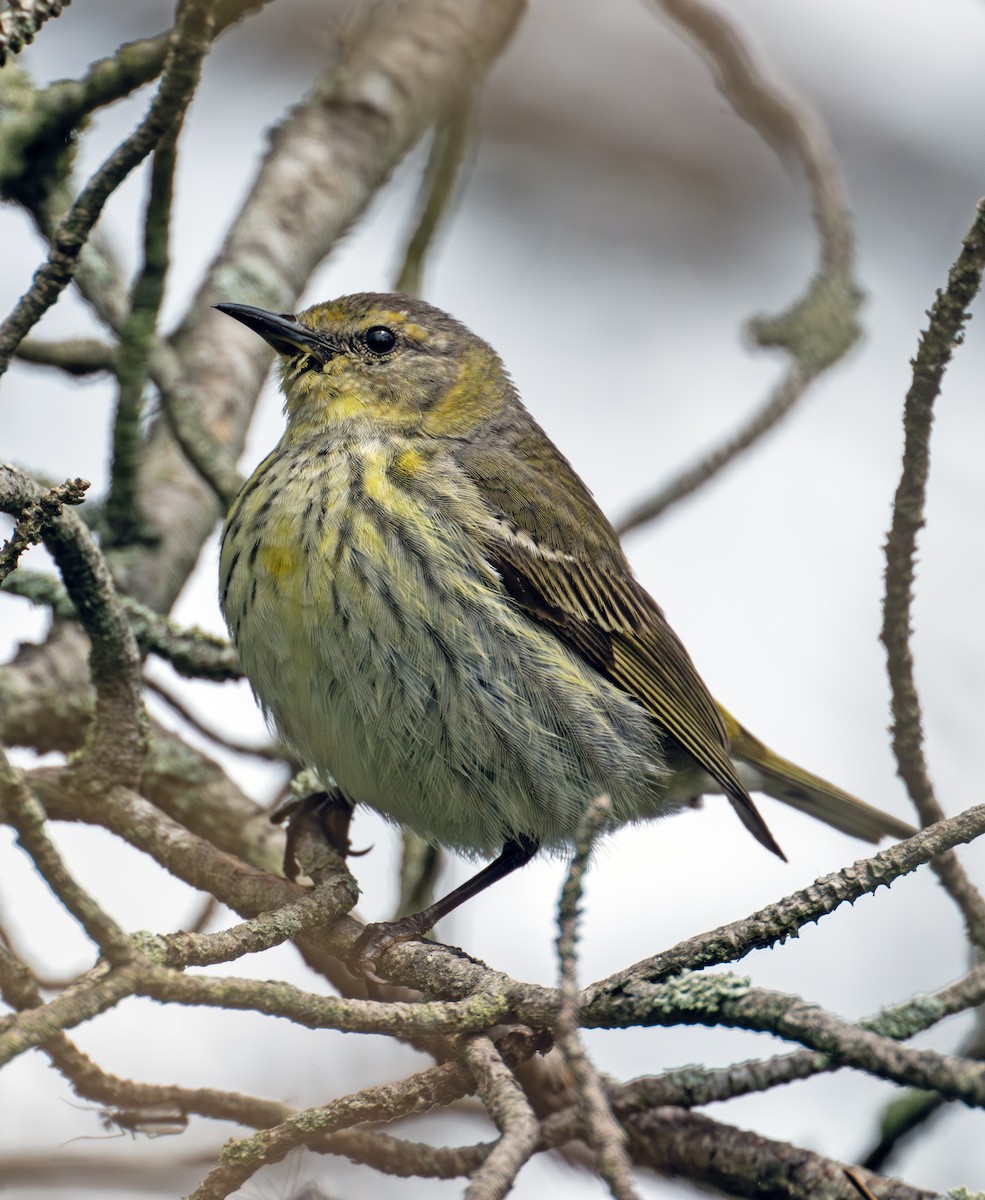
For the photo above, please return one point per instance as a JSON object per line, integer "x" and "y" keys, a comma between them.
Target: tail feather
{"x": 763, "y": 771}
{"x": 749, "y": 816}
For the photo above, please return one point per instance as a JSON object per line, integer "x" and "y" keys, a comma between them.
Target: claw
{"x": 333, "y": 813}
{"x": 376, "y": 939}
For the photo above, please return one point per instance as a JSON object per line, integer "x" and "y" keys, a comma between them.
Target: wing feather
{"x": 611, "y": 621}
{"x": 562, "y": 564}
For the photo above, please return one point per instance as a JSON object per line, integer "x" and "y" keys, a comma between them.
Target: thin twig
{"x": 510, "y": 1109}
{"x": 913, "y": 1110}
{"x": 21, "y": 22}
{"x": 118, "y": 740}
{"x": 321, "y": 1012}
{"x": 820, "y": 327}
{"x": 724, "y": 999}
{"x": 945, "y": 331}
{"x": 441, "y": 180}
{"x": 401, "y": 1158}
{"x": 191, "y": 41}
{"x": 268, "y": 753}
{"x": 730, "y": 943}
{"x": 124, "y": 524}
{"x": 181, "y": 408}
{"x": 192, "y": 652}
{"x": 605, "y": 1135}
{"x": 320, "y": 905}
{"x": 75, "y": 356}
{"x": 95, "y": 992}
{"x": 64, "y": 103}
{"x": 20, "y": 992}
{"x": 33, "y": 516}
{"x": 200, "y": 922}
{"x": 28, "y": 818}
{"x": 689, "y": 1086}
{"x": 419, "y": 1093}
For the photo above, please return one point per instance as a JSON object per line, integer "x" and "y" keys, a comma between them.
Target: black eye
{"x": 379, "y": 339}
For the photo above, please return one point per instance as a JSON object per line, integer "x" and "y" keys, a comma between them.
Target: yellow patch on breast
{"x": 280, "y": 561}
{"x": 380, "y": 483}
{"x": 408, "y": 464}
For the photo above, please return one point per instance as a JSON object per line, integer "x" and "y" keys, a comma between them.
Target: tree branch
{"x": 190, "y": 43}
{"x": 509, "y": 1108}
{"x": 822, "y": 326}
{"x": 730, "y": 943}
{"x": 21, "y": 22}
{"x": 118, "y": 740}
{"x": 678, "y": 1142}
{"x": 945, "y": 331}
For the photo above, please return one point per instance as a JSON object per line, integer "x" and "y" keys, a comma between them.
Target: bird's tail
{"x": 763, "y": 771}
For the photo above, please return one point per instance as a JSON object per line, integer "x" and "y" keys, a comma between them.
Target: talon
{"x": 333, "y": 813}
{"x": 376, "y": 939}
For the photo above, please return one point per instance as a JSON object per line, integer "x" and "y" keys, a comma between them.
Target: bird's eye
{"x": 379, "y": 339}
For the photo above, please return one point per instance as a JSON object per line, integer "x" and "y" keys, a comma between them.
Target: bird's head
{"x": 384, "y": 361}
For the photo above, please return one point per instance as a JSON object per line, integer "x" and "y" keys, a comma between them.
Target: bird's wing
{"x": 609, "y": 619}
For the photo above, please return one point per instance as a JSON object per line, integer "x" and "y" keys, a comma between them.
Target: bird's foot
{"x": 333, "y": 814}
{"x": 377, "y": 938}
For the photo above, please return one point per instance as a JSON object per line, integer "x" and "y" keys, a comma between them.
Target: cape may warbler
{"x": 439, "y": 619}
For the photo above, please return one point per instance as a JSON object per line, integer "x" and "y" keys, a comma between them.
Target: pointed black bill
{"x": 283, "y": 331}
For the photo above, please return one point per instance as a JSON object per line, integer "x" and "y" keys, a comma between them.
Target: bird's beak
{"x": 282, "y": 330}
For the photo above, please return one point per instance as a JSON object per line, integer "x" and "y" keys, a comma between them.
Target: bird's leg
{"x": 379, "y": 937}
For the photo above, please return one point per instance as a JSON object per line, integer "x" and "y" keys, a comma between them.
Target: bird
{"x": 439, "y": 620}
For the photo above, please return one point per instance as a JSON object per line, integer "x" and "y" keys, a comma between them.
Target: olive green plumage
{"x": 438, "y": 617}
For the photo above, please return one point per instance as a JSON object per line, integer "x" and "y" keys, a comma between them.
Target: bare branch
{"x": 98, "y": 990}
{"x": 190, "y": 43}
{"x": 33, "y": 515}
{"x": 730, "y": 943}
{"x": 28, "y": 818}
{"x": 192, "y": 652}
{"x": 605, "y": 1136}
{"x": 676, "y": 1141}
{"x": 690, "y": 1086}
{"x": 267, "y": 751}
{"x": 124, "y": 522}
{"x": 21, "y": 22}
{"x": 386, "y": 1102}
{"x": 20, "y": 992}
{"x": 726, "y": 999}
{"x": 947, "y": 320}
{"x": 401, "y": 1158}
{"x": 118, "y": 742}
{"x": 76, "y": 356}
{"x": 822, "y": 326}
{"x": 442, "y": 179}
{"x": 509, "y": 1108}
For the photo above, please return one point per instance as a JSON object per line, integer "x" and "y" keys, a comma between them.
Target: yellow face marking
{"x": 471, "y": 398}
